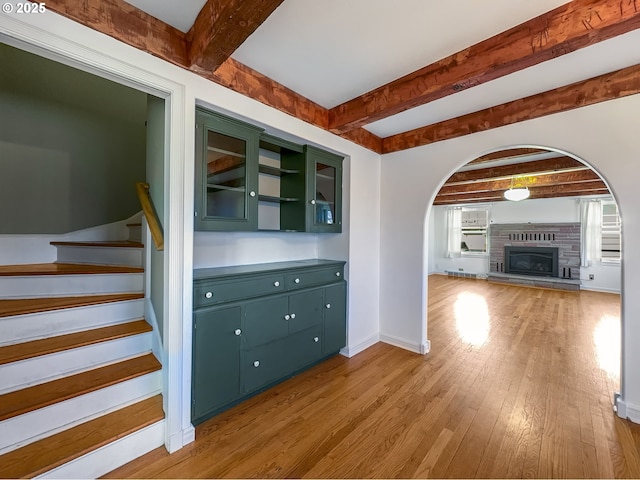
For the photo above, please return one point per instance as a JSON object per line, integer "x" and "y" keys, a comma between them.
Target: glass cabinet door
{"x": 324, "y": 170}
{"x": 226, "y": 170}
{"x": 325, "y": 200}
{"x": 226, "y": 173}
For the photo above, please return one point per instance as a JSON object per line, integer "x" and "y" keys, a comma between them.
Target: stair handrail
{"x": 150, "y": 214}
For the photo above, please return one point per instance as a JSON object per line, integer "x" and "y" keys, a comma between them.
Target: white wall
{"x": 604, "y": 135}
{"x": 72, "y": 43}
{"x": 607, "y": 276}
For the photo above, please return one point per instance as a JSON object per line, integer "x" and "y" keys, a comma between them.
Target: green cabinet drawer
{"x": 304, "y": 348}
{"x": 211, "y": 293}
{"x": 305, "y": 309}
{"x": 310, "y": 278}
{"x": 265, "y": 321}
{"x": 335, "y": 318}
{"x": 264, "y": 364}
{"x": 216, "y": 360}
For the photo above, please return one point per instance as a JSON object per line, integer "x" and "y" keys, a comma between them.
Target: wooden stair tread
{"x": 59, "y": 343}
{"x": 21, "y": 306}
{"x": 134, "y": 224}
{"x": 51, "y": 452}
{"x": 64, "y": 269}
{"x": 38, "y": 396}
{"x": 113, "y": 244}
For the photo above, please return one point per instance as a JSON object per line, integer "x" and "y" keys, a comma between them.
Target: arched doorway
{"x": 473, "y": 232}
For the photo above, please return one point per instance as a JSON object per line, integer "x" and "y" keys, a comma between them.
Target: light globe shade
{"x": 516, "y": 194}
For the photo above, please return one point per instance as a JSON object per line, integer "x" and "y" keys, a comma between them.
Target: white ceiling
{"x": 331, "y": 51}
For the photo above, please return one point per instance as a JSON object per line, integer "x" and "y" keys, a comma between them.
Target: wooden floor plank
{"x": 489, "y": 400}
{"x": 48, "y": 453}
{"x": 24, "y": 306}
{"x": 46, "y": 346}
{"x": 39, "y": 396}
{"x": 63, "y": 269}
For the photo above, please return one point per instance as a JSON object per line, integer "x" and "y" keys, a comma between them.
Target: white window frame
{"x": 475, "y": 226}
{"x": 611, "y": 227}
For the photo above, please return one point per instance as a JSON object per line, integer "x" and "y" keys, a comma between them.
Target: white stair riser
{"x": 100, "y": 255}
{"x": 135, "y": 234}
{"x": 22, "y": 328}
{"x": 37, "y": 286}
{"x": 32, "y": 371}
{"x": 104, "y": 460}
{"x": 38, "y": 424}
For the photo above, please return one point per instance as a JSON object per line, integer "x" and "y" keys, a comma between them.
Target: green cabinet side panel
{"x": 335, "y": 318}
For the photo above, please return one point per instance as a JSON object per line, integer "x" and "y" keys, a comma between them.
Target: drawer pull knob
{"x": 276, "y": 284}
{"x": 297, "y": 280}
{"x": 328, "y": 305}
{"x": 208, "y": 294}
{"x": 316, "y": 339}
{"x": 287, "y": 316}
{"x": 252, "y": 194}
{"x": 256, "y": 363}
{"x": 293, "y": 315}
{"x": 238, "y": 332}
{"x": 312, "y": 202}
{"x": 337, "y": 274}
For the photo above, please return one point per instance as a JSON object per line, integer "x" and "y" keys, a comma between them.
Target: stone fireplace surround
{"x": 565, "y": 236}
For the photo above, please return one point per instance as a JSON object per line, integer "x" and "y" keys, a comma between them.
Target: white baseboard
{"x": 188, "y": 435}
{"x": 352, "y": 350}
{"x": 407, "y": 345}
{"x": 602, "y": 290}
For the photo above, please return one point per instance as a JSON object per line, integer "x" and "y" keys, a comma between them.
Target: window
{"x": 610, "y": 232}
{"x": 474, "y": 230}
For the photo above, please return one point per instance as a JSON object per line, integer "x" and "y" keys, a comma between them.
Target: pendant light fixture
{"x": 515, "y": 194}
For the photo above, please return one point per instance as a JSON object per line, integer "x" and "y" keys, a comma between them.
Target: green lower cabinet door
{"x": 265, "y": 321}
{"x": 305, "y": 310}
{"x": 304, "y": 348}
{"x": 264, "y": 365}
{"x": 216, "y": 360}
{"x": 335, "y": 318}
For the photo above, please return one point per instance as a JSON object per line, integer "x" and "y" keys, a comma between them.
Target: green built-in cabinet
{"x": 248, "y": 180}
{"x": 256, "y": 325}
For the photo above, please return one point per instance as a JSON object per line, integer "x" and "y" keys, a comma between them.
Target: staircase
{"x": 80, "y": 390}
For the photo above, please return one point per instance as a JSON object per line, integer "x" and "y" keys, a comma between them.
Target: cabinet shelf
{"x": 275, "y": 171}
{"x": 217, "y": 186}
{"x": 226, "y": 152}
{"x": 271, "y": 199}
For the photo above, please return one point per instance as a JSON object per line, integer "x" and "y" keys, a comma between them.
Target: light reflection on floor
{"x": 472, "y": 318}
{"x": 606, "y": 336}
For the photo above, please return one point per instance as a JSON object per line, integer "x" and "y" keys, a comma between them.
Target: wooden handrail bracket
{"x": 150, "y": 214}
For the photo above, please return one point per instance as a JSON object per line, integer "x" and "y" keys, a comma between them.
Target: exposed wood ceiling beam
{"x": 536, "y": 167}
{"x": 134, "y": 27}
{"x": 577, "y": 24}
{"x": 509, "y": 153}
{"x": 620, "y": 83}
{"x": 128, "y": 24}
{"x": 526, "y": 181}
{"x": 222, "y": 26}
{"x": 492, "y": 197}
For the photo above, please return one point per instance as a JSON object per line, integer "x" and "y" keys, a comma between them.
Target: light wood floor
{"x": 514, "y": 386}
